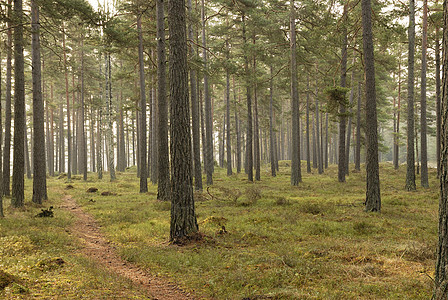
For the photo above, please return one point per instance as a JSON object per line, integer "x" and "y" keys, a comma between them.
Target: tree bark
{"x": 163, "y": 187}
{"x": 423, "y": 121}
{"x": 342, "y": 109}
{"x": 271, "y": 125}
{"x": 358, "y": 131}
{"x": 249, "y": 138}
{"x": 8, "y": 113}
{"x": 39, "y": 170}
{"x": 373, "y": 197}
{"x": 18, "y": 197}
{"x": 296, "y": 174}
{"x": 438, "y": 101}
{"x": 318, "y": 133}
{"x": 228, "y": 139}
{"x": 208, "y": 106}
{"x": 109, "y": 108}
{"x": 308, "y": 151}
{"x": 69, "y": 138}
{"x": 143, "y": 150}
{"x": 410, "y": 168}
{"x": 183, "y": 217}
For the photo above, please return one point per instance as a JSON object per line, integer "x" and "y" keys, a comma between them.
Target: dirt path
{"x": 99, "y": 249}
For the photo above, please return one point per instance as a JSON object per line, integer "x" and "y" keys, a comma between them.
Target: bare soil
{"x": 96, "y": 247}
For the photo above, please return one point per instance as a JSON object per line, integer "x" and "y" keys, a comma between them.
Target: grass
{"x": 263, "y": 239}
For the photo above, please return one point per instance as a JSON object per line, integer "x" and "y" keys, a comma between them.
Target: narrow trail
{"x": 96, "y": 247}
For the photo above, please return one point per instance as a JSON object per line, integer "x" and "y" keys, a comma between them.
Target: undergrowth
{"x": 260, "y": 240}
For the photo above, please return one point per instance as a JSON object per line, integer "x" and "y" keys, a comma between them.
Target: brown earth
{"x": 96, "y": 247}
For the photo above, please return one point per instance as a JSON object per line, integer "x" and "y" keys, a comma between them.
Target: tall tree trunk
{"x": 308, "y": 151}
{"x": 237, "y": 130}
{"x": 39, "y": 171}
{"x": 271, "y": 126}
{"x": 109, "y": 108}
{"x": 423, "y": 139}
{"x": 183, "y": 217}
{"x": 143, "y": 150}
{"x": 69, "y": 142}
{"x": 296, "y": 175}
{"x": 257, "y": 151}
{"x": 208, "y": 106}
{"x": 397, "y": 125}
{"x": 163, "y": 187}
{"x": 75, "y": 127}
{"x": 441, "y": 274}
{"x": 326, "y": 141}
{"x": 342, "y": 109}
{"x": 154, "y": 122}
{"x": 249, "y": 150}
{"x": 92, "y": 141}
{"x": 373, "y": 197}
{"x": 318, "y": 132}
{"x": 438, "y": 101}
{"x": 358, "y": 131}
{"x": 228, "y": 141}
{"x": 1, "y": 138}
{"x": 61, "y": 139}
{"x": 349, "y": 125}
{"x": 18, "y": 196}
{"x": 194, "y": 109}
{"x": 83, "y": 145}
{"x": 410, "y": 168}
{"x": 7, "y": 147}
{"x": 51, "y": 138}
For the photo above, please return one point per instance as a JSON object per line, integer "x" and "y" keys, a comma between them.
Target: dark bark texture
{"x": 183, "y": 217}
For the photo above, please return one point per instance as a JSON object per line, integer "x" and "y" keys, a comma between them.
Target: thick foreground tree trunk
{"x": 373, "y": 198}
{"x": 183, "y": 217}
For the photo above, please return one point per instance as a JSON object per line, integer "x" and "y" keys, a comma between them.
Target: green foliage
{"x": 336, "y": 96}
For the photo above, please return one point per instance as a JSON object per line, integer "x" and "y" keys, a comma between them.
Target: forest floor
{"x": 263, "y": 240}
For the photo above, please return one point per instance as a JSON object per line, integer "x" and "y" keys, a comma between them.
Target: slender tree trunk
{"x": 314, "y": 143}
{"x": 75, "y": 136}
{"x": 410, "y": 169}
{"x": 423, "y": 139}
{"x": 342, "y": 109}
{"x": 69, "y": 138}
{"x": 237, "y": 130}
{"x": 271, "y": 126}
{"x": 92, "y": 141}
{"x": 438, "y": 101}
{"x": 318, "y": 132}
{"x": 397, "y": 127}
{"x": 163, "y": 187}
{"x": 208, "y": 106}
{"x": 61, "y": 140}
{"x": 83, "y": 145}
{"x": 326, "y": 141}
{"x": 2, "y": 215}
{"x": 349, "y": 125}
{"x": 18, "y": 197}
{"x": 373, "y": 197}
{"x": 109, "y": 108}
{"x": 39, "y": 171}
{"x": 249, "y": 149}
{"x": 183, "y": 217}
{"x": 143, "y": 150}
{"x": 228, "y": 141}
{"x": 154, "y": 129}
{"x": 257, "y": 151}
{"x": 7, "y": 147}
{"x": 308, "y": 152}
{"x": 296, "y": 175}
{"x": 194, "y": 109}
{"x": 358, "y": 131}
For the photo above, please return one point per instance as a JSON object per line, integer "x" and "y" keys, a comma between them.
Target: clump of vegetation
{"x": 311, "y": 208}
{"x": 69, "y": 187}
{"x": 362, "y": 227}
{"x": 6, "y": 279}
{"x": 281, "y": 200}
{"x": 108, "y": 193}
{"x": 92, "y": 190}
{"x": 253, "y": 194}
{"x": 49, "y": 264}
{"x": 337, "y": 96}
{"x": 46, "y": 213}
